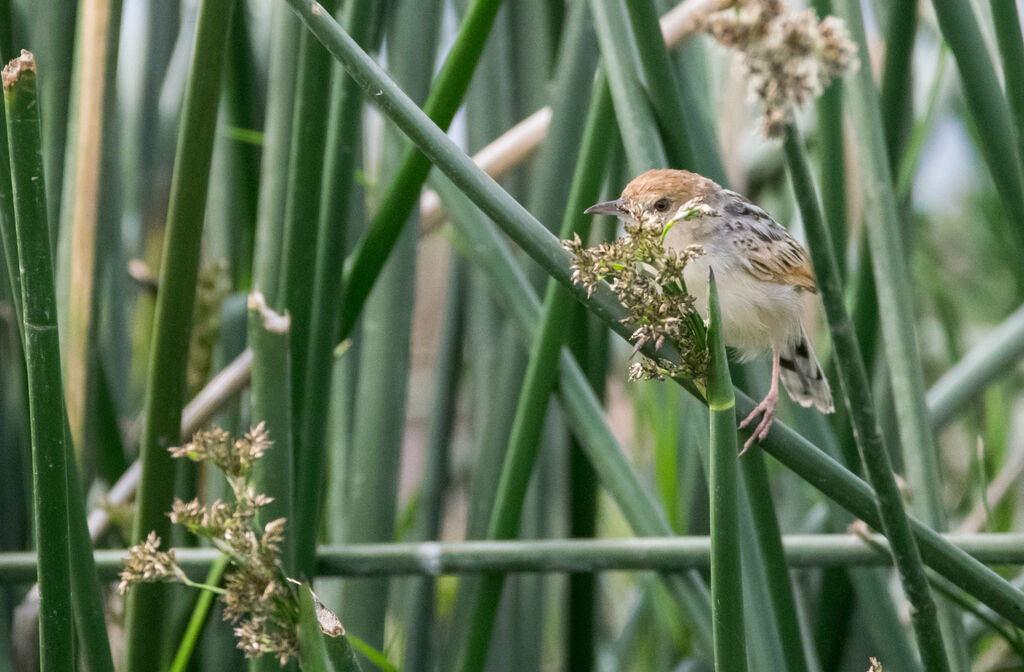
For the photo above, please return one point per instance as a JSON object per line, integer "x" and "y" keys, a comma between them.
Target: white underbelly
{"x": 756, "y": 315}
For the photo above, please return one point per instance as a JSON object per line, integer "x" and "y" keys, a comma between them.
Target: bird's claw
{"x": 766, "y": 409}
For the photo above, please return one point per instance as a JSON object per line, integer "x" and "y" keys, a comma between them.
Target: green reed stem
{"x": 165, "y": 387}
{"x": 270, "y": 401}
{"x": 200, "y": 612}
{"x": 42, "y": 361}
{"x": 857, "y": 391}
{"x": 726, "y": 582}
{"x": 985, "y": 100}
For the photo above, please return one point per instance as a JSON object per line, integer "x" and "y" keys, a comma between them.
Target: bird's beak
{"x": 612, "y": 208}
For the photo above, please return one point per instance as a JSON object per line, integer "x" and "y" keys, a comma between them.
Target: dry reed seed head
{"x": 786, "y": 56}
{"x": 648, "y": 280}
{"x": 234, "y": 458}
{"x": 146, "y": 563}
{"x": 257, "y": 599}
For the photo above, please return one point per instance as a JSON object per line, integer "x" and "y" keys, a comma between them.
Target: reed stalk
{"x": 42, "y": 361}
{"x": 165, "y": 388}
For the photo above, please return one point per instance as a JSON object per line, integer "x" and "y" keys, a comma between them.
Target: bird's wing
{"x": 768, "y": 252}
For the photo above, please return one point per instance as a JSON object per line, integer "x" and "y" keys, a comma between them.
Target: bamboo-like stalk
{"x": 270, "y": 401}
{"x": 340, "y": 162}
{"x": 857, "y": 391}
{"x": 660, "y": 554}
{"x": 892, "y": 278}
{"x": 552, "y": 171}
{"x": 165, "y": 388}
{"x": 242, "y": 109}
{"x": 541, "y": 374}
{"x": 363, "y": 267}
{"x": 987, "y": 104}
{"x": 989, "y": 359}
{"x": 86, "y": 592}
{"x": 769, "y": 540}
{"x": 305, "y": 172}
{"x": 790, "y": 448}
{"x": 894, "y": 296}
{"x": 42, "y": 360}
{"x": 726, "y": 584}
{"x": 270, "y": 209}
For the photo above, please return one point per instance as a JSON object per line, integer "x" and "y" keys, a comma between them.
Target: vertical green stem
{"x": 857, "y": 391}
{"x": 726, "y": 577}
{"x": 340, "y": 161}
{"x": 305, "y": 172}
{"x": 8, "y": 235}
{"x": 266, "y": 270}
{"x": 55, "y": 34}
{"x": 165, "y": 388}
{"x": 769, "y": 539}
{"x": 270, "y": 400}
{"x": 832, "y": 156}
{"x": 42, "y": 359}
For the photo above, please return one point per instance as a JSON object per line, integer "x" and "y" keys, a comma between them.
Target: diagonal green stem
{"x": 857, "y": 391}
{"x": 985, "y": 100}
{"x": 362, "y": 269}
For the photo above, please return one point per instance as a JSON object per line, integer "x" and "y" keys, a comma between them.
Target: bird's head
{"x": 655, "y": 197}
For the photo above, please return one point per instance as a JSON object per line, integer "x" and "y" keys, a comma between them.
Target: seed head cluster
{"x": 787, "y": 56}
{"x": 648, "y": 279}
{"x": 257, "y": 597}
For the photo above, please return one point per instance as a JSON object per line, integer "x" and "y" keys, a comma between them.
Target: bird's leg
{"x": 767, "y": 407}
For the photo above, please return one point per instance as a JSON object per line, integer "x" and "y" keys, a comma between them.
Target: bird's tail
{"x": 802, "y": 376}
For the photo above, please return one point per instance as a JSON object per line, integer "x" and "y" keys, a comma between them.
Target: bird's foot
{"x": 766, "y": 409}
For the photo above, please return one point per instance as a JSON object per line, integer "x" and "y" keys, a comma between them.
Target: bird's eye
{"x": 661, "y": 205}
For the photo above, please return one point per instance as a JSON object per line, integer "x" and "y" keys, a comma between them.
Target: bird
{"x": 760, "y": 269}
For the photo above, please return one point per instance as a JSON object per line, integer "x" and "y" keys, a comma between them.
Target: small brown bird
{"x": 761, "y": 273}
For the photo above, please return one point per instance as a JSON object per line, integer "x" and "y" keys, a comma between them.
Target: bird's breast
{"x": 756, "y": 315}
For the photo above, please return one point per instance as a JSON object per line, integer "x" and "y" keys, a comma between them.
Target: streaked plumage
{"x": 761, "y": 272}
